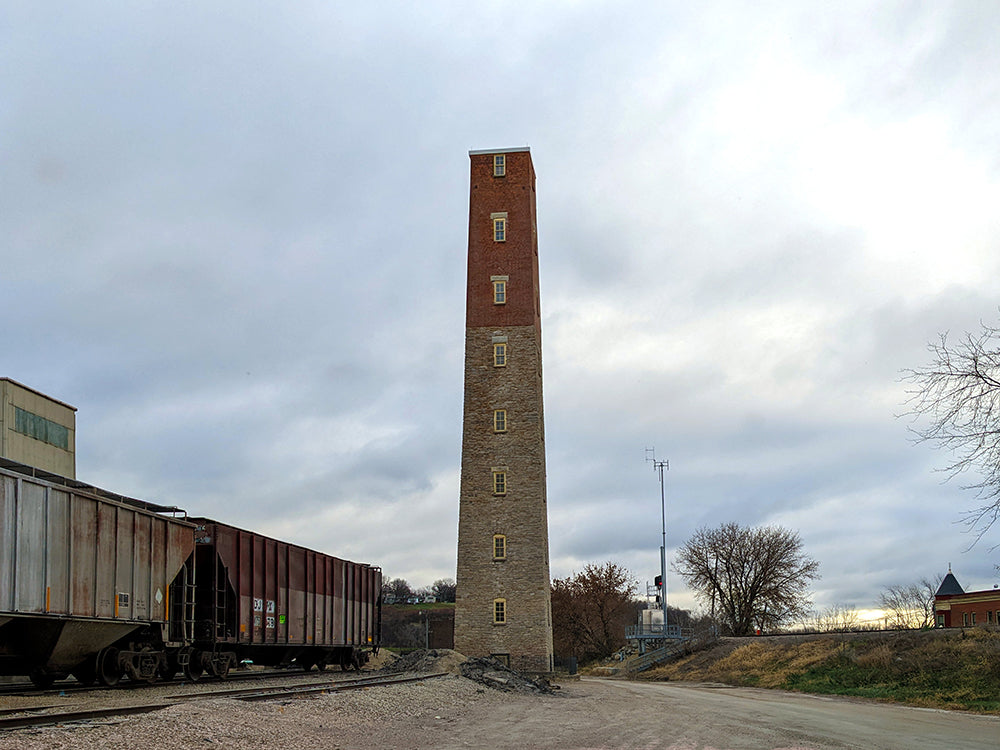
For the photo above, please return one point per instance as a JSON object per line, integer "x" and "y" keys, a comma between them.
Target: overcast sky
{"x": 234, "y": 236}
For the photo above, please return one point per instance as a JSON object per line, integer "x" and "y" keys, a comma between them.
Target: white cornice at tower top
{"x": 500, "y": 150}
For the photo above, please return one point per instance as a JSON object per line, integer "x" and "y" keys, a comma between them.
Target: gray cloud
{"x": 235, "y": 239}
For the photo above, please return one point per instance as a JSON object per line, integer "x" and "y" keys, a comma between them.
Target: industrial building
{"x": 37, "y": 430}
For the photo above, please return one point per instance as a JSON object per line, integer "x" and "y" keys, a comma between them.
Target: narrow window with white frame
{"x": 499, "y": 611}
{"x": 499, "y": 165}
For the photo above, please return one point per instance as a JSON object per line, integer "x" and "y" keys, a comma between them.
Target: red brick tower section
{"x": 503, "y": 607}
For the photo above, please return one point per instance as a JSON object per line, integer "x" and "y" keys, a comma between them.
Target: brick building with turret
{"x": 954, "y": 607}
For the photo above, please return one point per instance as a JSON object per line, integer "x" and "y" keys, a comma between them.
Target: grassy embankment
{"x": 955, "y": 669}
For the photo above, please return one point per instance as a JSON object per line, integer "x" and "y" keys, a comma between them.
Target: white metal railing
{"x": 656, "y": 630}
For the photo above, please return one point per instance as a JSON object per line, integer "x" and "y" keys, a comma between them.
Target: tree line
{"x": 748, "y": 580}
{"x": 399, "y": 591}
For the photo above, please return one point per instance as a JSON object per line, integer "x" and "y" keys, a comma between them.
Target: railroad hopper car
{"x": 273, "y": 603}
{"x": 102, "y": 586}
{"x": 85, "y": 578}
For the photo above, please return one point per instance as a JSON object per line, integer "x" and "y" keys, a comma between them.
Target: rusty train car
{"x": 102, "y": 586}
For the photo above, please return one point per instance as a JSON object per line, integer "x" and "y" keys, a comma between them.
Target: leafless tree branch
{"x": 954, "y": 403}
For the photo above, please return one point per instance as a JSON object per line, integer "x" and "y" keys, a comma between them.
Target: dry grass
{"x": 759, "y": 663}
{"x": 943, "y": 669}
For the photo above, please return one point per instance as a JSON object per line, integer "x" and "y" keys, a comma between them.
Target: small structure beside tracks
{"x": 654, "y": 640}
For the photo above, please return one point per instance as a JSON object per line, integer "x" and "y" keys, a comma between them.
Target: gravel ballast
{"x": 349, "y": 719}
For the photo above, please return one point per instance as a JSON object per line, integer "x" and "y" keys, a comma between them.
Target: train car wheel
{"x": 86, "y": 673}
{"x": 168, "y": 668}
{"x": 109, "y": 671}
{"x": 193, "y": 669}
{"x": 221, "y": 667}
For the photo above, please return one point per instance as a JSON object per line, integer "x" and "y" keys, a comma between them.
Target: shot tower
{"x": 503, "y": 607}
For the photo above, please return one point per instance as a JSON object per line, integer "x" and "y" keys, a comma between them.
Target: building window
{"x": 500, "y": 354}
{"x": 499, "y": 420}
{"x": 499, "y": 482}
{"x": 989, "y": 616}
{"x": 500, "y": 229}
{"x": 502, "y": 659}
{"x": 41, "y": 428}
{"x": 500, "y": 292}
{"x": 973, "y": 618}
{"x": 499, "y": 611}
{"x": 940, "y": 621}
{"x": 499, "y": 165}
{"x": 499, "y": 547}
{"x": 965, "y": 619}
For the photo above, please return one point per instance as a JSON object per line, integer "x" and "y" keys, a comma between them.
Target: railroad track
{"x": 206, "y": 687}
{"x": 27, "y": 690}
{"x": 25, "y": 718}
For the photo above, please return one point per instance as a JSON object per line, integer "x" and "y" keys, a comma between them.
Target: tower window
{"x": 499, "y": 611}
{"x": 500, "y": 292}
{"x": 499, "y": 482}
{"x": 499, "y": 420}
{"x": 500, "y": 354}
{"x": 499, "y": 547}
{"x": 499, "y": 165}
{"x": 500, "y": 229}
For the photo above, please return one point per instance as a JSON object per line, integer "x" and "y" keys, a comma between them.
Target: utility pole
{"x": 661, "y": 466}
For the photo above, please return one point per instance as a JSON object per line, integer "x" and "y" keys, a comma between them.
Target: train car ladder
{"x": 221, "y": 601}
{"x": 189, "y": 600}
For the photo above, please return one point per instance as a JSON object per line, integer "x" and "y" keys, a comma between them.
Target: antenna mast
{"x": 661, "y": 466}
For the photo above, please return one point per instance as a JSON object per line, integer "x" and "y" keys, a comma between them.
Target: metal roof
{"x": 949, "y": 586}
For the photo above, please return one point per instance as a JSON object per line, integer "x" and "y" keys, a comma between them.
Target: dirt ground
{"x": 498, "y": 708}
{"x": 454, "y": 712}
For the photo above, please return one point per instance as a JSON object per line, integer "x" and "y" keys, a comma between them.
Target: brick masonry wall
{"x": 517, "y": 257}
{"x": 985, "y": 605}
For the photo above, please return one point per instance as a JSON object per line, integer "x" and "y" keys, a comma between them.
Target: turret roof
{"x": 949, "y": 586}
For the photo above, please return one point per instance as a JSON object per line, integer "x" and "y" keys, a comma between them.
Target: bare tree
{"x": 444, "y": 590}
{"x": 838, "y": 618}
{"x": 959, "y": 392}
{"x": 591, "y": 609}
{"x": 398, "y": 588}
{"x": 752, "y": 577}
{"x": 911, "y": 605}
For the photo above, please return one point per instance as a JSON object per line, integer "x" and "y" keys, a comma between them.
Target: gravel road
{"x": 453, "y": 712}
